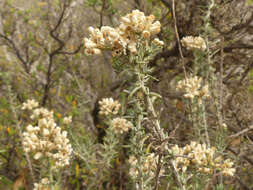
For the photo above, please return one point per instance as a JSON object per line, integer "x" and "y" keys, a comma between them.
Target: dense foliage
{"x": 138, "y": 94}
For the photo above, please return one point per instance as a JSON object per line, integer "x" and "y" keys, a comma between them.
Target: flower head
{"x": 109, "y": 106}
{"x": 30, "y": 104}
{"x": 121, "y": 125}
{"x": 67, "y": 120}
{"x": 42, "y": 185}
{"x": 202, "y": 157}
{"x": 192, "y": 87}
{"x": 123, "y": 38}
{"x": 147, "y": 166}
{"x": 47, "y": 139}
{"x": 191, "y": 42}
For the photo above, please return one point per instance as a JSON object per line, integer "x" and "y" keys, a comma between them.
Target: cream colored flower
{"x": 202, "y": 157}
{"x": 158, "y": 42}
{"x": 37, "y": 156}
{"x": 228, "y": 171}
{"x": 121, "y": 125}
{"x": 155, "y": 28}
{"x": 192, "y": 87}
{"x": 109, "y": 106}
{"x": 92, "y": 51}
{"x": 224, "y": 125}
{"x": 42, "y": 185}
{"x": 42, "y": 113}
{"x": 191, "y": 42}
{"x": 147, "y": 166}
{"x": 47, "y": 139}
{"x": 30, "y": 104}
{"x": 132, "y": 47}
{"x": 124, "y": 38}
{"x": 146, "y": 34}
{"x": 67, "y": 120}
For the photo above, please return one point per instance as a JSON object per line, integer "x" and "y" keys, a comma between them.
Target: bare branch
{"x": 102, "y": 14}
{"x": 177, "y": 36}
{"x": 13, "y": 46}
{"x": 241, "y": 132}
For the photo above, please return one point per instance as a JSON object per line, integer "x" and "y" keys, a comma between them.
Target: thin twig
{"x": 102, "y": 14}
{"x": 221, "y": 83}
{"x": 245, "y": 186}
{"x": 51, "y": 55}
{"x": 241, "y": 132}
{"x": 13, "y": 46}
{"x": 175, "y": 172}
{"x": 242, "y": 156}
{"x": 158, "y": 171}
{"x": 205, "y": 126}
{"x": 177, "y": 36}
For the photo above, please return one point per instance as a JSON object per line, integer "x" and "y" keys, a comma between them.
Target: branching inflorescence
{"x": 191, "y": 43}
{"x": 109, "y": 107}
{"x": 132, "y": 133}
{"x": 202, "y": 158}
{"x": 133, "y": 38}
{"x": 46, "y": 139}
{"x": 42, "y": 185}
{"x": 193, "y": 88}
{"x": 147, "y": 167}
{"x": 124, "y": 38}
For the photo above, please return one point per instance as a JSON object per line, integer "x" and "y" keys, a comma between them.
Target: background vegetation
{"x": 42, "y": 58}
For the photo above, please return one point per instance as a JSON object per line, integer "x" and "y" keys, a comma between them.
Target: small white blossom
{"x": 109, "y": 106}
{"x": 147, "y": 166}
{"x": 132, "y": 47}
{"x": 224, "y": 125}
{"x": 120, "y": 125}
{"x": 37, "y": 155}
{"x": 202, "y": 157}
{"x": 192, "y": 87}
{"x": 67, "y": 120}
{"x": 30, "y": 104}
{"x": 42, "y": 113}
{"x": 124, "y": 38}
{"x": 158, "y": 42}
{"x": 146, "y": 34}
{"x": 191, "y": 42}
{"x": 42, "y": 185}
{"x": 47, "y": 139}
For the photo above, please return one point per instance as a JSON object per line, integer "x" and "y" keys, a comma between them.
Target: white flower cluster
{"x": 192, "y": 87}
{"x": 191, "y": 42}
{"x": 109, "y": 106}
{"x": 42, "y": 185}
{"x": 158, "y": 42}
{"x": 124, "y": 37}
{"x": 30, "y": 104}
{"x": 147, "y": 167}
{"x": 42, "y": 113}
{"x": 67, "y": 120}
{"x": 47, "y": 139}
{"x": 121, "y": 125}
{"x": 137, "y": 22}
{"x": 202, "y": 158}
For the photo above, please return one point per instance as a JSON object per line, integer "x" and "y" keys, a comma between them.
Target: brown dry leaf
{"x": 20, "y": 181}
{"x": 118, "y": 162}
{"x": 235, "y": 142}
{"x": 180, "y": 106}
{"x": 100, "y": 126}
